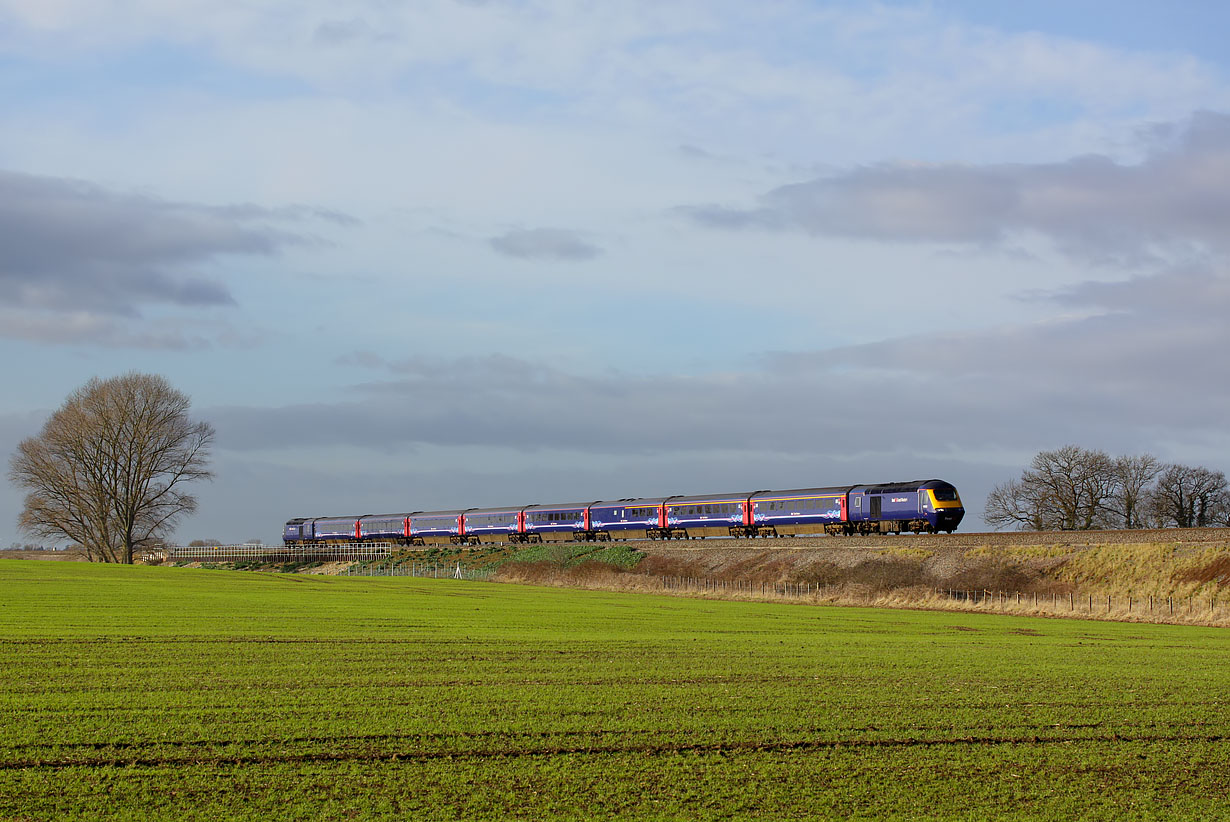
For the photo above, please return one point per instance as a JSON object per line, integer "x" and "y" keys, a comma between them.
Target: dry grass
{"x": 54, "y": 556}
{"x": 1180, "y": 582}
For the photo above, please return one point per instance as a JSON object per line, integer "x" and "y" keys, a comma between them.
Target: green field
{"x": 152, "y": 693}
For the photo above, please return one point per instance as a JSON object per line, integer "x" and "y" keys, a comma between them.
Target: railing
{"x": 355, "y": 551}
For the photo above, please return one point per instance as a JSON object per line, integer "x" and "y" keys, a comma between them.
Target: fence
{"x": 1161, "y": 607}
{"x": 1090, "y": 603}
{"x": 434, "y": 570}
{"x": 285, "y": 554}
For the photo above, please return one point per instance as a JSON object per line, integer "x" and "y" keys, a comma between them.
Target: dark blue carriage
{"x": 437, "y": 527}
{"x": 558, "y": 522}
{"x": 335, "y": 529}
{"x": 385, "y": 528}
{"x": 494, "y": 524}
{"x": 706, "y": 515}
{"x": 627, "y": 518}
{"x": 799, "y": 511}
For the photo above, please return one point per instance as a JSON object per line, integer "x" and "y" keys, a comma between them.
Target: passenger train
{"x": 918, "y": 506}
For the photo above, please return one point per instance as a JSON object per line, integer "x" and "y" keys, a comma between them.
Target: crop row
{"x": 263, "y": 696}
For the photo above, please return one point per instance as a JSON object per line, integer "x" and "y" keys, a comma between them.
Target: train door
{"x": 873, "y": 513}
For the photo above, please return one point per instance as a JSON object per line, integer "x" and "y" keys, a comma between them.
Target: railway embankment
{"x": 1168, "y": 576}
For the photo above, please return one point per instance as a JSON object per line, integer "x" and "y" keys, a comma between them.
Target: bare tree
{"x": 1070, "y": 488}
{"x": 1016, "y": 503}
{"x": 1190, "y": 497}
{"x": 1132, "y": 476}
{"x": 109, "y": 468}
{"x": 1075, "y": 482}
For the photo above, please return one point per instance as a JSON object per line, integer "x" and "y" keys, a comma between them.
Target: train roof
{"x": 804, "y": 492}
{"x": 340, "y": 517}
{"x": 508, "y": 509}
{"x": 629, "y": 502}
{"x": 559, "y": 506}
{"x": 890, "y": 487}
{"x": 683, "y": 499}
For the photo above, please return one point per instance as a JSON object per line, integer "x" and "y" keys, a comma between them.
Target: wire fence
{"x": 433, "y": 570}
{"x": 1158, "y": 606}
{"x": 1072, "y": 602}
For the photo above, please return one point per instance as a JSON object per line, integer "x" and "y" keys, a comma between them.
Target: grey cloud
{"x": 1145, "y": 364}
{"x": 545, "y": 244}
{"x": 1091, "y": 207}
{"x": 110, "y": 331}
{"x": 343, "y": 32}
{"x": 1140, "y": 373}
{"x": 362, "y": 359}
{"x": 68, "y": 245}
{"x": 77, "y": 328}
{"x": 1115, "y": 379}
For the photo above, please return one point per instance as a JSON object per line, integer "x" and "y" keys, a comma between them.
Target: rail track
{"x": 1071, "y": 539}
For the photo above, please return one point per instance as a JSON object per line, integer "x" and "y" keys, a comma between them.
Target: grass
{"x": 571, "y": 554}
{"x": 185, "y": 694}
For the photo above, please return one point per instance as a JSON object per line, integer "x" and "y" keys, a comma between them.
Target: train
{"x": 916, "y": 506}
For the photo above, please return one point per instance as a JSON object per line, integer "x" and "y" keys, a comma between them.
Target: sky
{"x": 454, "y": 253}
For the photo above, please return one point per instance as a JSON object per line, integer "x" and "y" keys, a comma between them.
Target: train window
{"x": 945, "y": 493}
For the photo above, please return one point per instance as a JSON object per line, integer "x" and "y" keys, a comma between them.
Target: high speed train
{"x": 916, "y": 506}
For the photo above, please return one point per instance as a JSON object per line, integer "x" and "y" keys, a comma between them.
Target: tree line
{"x": 1073, "y": 488}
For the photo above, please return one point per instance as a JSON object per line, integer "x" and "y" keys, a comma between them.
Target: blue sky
{"x": 447, "y": 253}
